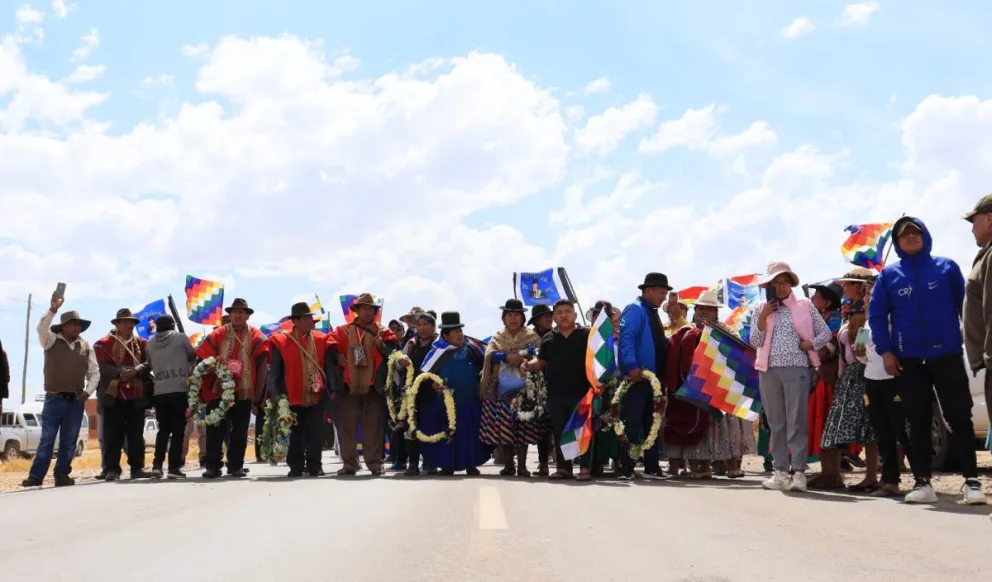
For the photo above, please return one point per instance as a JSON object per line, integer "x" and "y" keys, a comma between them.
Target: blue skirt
{"x": 465, "y": 450}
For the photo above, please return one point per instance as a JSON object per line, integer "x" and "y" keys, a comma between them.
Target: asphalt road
{"x": 485, "y": 528}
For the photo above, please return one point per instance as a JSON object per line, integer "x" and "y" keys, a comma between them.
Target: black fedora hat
{"x": 451, "y": 320}
{"x": 301, "y": 309}
{"x": 124, "y": 314}
{"x": 240, "y": 303}
{"x": 539, "y": 310}
{"x": 655, "y": 280}
{"x": 513, "y": 306}
{"x": 833, "y": 293}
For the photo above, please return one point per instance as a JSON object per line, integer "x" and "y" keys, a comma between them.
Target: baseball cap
{"x": 984, "y": 206}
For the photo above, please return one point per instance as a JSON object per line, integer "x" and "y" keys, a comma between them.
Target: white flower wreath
{"x": 279, "y": 421}
{"x": 413, "y": 432}
{"x": 227, "y": 397}
{"x": 659, "y": 399}
{"x": 397, "y": 416}
{"x": 536, "y": 391}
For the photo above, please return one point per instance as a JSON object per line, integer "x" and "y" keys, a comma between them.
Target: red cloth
{"x": 209, "y": 348}
{"x": 104, "y": 351}
{"x": 819, "y": 408}
{"x": 298, "y": 391}
{"x": 340, "y": 338}
{"x": 685, "y": 423}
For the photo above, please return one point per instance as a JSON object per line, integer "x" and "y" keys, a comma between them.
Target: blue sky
{"x": 425, "y": 154}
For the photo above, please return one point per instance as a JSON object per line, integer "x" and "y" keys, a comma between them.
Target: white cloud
{"x": 28, "y": 15}
{"x": 859, "y": 14}
{"x": 597, "y": 86}
{"x": 194, "y": 50}
{"x": 159, "y": 80}
{"x": 798, "y": 27}
{"x": 85, "y": 74}
{"x": 697, "y": 130}
{"x": 61, "y": 9}
{"x": 603, "y": 133}
{"x": 89, "y": 41}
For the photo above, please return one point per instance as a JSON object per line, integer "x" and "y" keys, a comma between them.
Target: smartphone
{"x": 60, "y": 291}
{"x": 770, "y": 294}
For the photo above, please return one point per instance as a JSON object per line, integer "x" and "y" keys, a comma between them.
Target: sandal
{"x": 886, "y": 492}
{"x": 735, "y": 474}
{"x": 584, "y": 475}
{"x": 560, "y": 476}
{"x": 543, "y": 471}
{"x": 863, "y": 488}
{"x": 827, "y": 485}
{"x": 701, "y": 476}
{"x": 508, "y": 471}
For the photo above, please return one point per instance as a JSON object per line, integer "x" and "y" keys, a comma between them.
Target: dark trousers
{"x": 544, "y": 447}
{"x": 638, "y": 414}
{"x": 259, "y": 425}
{"x": 306, "y": 439}
{"x": 170, "y": 412}
{"x": 124, "y": 420}
{"x": 916, "y": 385}
{"x": 234, "y": 429}
{"x": 889, "y": 421}
{"x": 397, "y": 446}
{"x": 560, "y": 409}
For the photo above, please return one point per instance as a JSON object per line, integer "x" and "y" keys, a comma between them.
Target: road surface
{"x": 486, "y": 528}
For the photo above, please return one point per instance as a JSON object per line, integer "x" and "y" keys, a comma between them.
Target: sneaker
{"x": 156, "y": 472}
{"x": 626, "y": 476}
{"x": 798, "y": 482}
{"x": 176, "y": 475}
{"x": 397, "y": 467}
{"x": 294, "y": 473}
{"x": 972, "y": 491}
{"x": 778, "y": 482}
{"x": 237, "y": 473}
{"x": 411, "y": 471}
{"x": 64, "y": 481}
{"x": 212, "y": 474}
{"x": 140, "y": 474}
{"x": 31, "y": 482}
{"x": 652, "y": 476}
{"x": 921, "y": 493}
{"x": 112, "y": 476}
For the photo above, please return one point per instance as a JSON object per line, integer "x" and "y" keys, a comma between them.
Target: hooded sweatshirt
{"x": 921, "y": 298}
{"x": 171, "y": 355}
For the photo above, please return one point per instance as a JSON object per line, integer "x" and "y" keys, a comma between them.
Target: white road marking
{"x": 491, "y": 515}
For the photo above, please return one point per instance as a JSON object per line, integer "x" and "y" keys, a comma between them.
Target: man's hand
{"x": 56, "y": 303}
{"x": 806, "y": 346}
{"x": 82, "y": 395}
{"x": 403, "y": 361}
{"x": 636, "y": 375}
{"x": 891, "y": 363}
{"x": 859, "y": 350}
{"x": 378, "y": 341}
{"x": 515, "y": 360}
{"x": 129, "y": 374}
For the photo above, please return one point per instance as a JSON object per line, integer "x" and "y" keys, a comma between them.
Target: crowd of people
{"x": 851, "y": 368}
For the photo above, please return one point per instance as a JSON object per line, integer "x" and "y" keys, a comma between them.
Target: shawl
{"x": 314, "y": 377}
{"x": 503, "y": 341}
{"x": 361, "y": 377}
{"x": 126, "y": 353}
{"x": 802, "y": 320}
{"x": 246, "y": 380}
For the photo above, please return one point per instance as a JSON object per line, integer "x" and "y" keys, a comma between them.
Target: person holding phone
{"x": 71, "y": 376}
{"x": 788, "y": 336}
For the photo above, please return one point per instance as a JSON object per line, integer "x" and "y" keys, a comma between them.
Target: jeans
{"x": 306, "y": 439}
{"x": 560, "y": 409}
{"x": 234, "y": 430}
{"x": 63, "y": 418}
{"x": 916, "y": 384}
{"x": 785, "y": 398}
{"x": 638, "y": 415}
{"x": 170, "y": 411}
{"x": 125, "y": 427}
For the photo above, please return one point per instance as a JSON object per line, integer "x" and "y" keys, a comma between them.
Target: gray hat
{"x": 68, "y": 316}
{"x": 984, "y": 206}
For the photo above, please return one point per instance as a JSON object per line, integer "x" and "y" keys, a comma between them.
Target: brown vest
{"x": 66, "y": 367}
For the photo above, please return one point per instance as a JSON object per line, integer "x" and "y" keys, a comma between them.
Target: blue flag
{"x": 147, "y": 316}
{"x": 545, "y": 287}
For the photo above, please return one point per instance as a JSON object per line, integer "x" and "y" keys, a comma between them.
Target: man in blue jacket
{"x": 642, "y": 347}
{"x": 921, "y": 298}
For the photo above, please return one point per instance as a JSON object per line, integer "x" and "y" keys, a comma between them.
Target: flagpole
{"x": 892, "y": 243}
{"x": 569, "y": 289}
{"x": 175, "y": 313}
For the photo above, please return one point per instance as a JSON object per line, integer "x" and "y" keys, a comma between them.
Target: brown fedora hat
{"x": 364, "y": 299}
{"x": 124, "y": 314}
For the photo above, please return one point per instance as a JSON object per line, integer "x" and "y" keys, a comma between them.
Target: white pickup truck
{"x": 20, "y": 432}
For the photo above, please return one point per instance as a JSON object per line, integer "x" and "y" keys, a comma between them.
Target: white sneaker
{"x": 778, "y": 482}
{"x": 922, "y": 493}
{"x": 972, "y": 493}
{"x": 798, "y": 482}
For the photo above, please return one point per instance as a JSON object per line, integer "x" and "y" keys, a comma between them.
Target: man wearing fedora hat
{"x": 641, "y": 346}
{"x": 363, "y": 346}
{"x": 301, "y": 367}
{"x": 542, "y": 320}
{"x": 71, "y": 375}
{"x": 125, "y": 394}
{"x": 244, "y": 350}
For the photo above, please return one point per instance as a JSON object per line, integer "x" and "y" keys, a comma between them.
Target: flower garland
{"x": 396, "y": 416}
{"x": 411, "y": 409}
{"x": 279, "y": 421}
{"x": 606, "y": 416}
{"x": 227, "y": 397}
{"x": 536, "y": 392}
{"x": 660, "y": 401}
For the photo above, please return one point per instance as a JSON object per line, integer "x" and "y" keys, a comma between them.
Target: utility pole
{"x": 27, "y": 344}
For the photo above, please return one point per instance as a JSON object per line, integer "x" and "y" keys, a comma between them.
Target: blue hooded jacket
{"x": 921, "y": 296}
{"x": 635, "y": 346}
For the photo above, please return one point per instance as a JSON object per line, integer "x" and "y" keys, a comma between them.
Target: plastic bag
{"x": 511, "y": 381}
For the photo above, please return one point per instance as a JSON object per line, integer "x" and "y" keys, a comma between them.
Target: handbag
{"x": 510, "y": 381}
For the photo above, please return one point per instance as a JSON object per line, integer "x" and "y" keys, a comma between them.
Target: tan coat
{"x": 978, "y": 311}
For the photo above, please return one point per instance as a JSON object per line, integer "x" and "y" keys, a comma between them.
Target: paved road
{"x": 485, "y": 528}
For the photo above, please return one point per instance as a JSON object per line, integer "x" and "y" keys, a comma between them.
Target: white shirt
{"x": 48, "y": 339}
{"x": 874, "y": 366}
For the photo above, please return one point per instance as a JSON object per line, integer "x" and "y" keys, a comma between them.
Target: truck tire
{"x": 11, "y": 451}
